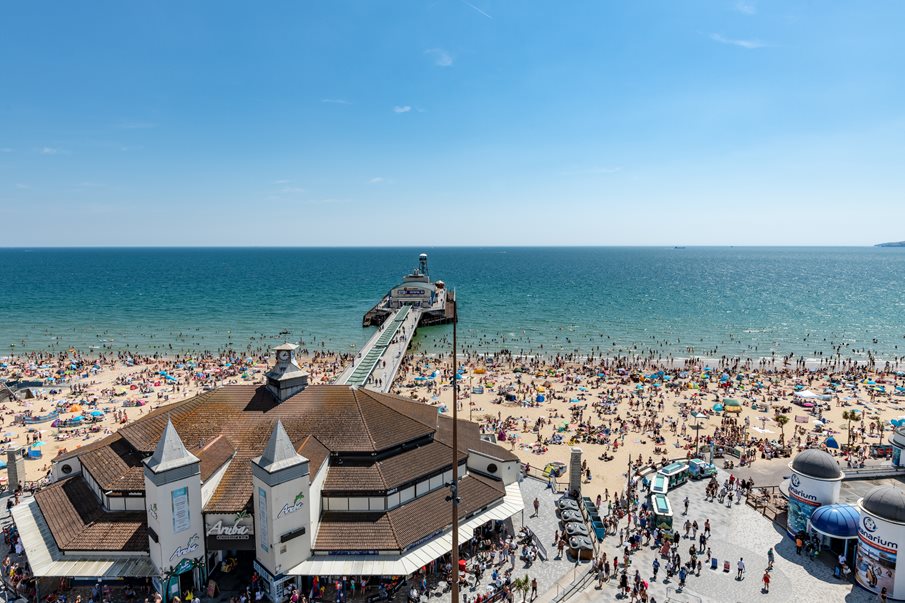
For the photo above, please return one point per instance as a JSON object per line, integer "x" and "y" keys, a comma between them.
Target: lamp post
{"x": 454, "y": 486}
{"x": 697, "y": 428}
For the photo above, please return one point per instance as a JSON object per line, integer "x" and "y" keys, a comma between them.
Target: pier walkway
{"x": 376, "y": 364}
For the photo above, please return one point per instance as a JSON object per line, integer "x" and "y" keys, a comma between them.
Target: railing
{"x": 541, "y": 549}
{"x": 538, "y": 473}
{"x": 578, "y": 584}
{"x": 871, "y": 471}
{"x": 767, "y": 500}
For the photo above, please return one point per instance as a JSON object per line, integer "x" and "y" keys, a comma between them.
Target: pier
{"x": 413, "y": 303}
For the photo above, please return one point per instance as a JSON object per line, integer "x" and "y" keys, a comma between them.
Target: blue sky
{"x": 452, "y": 122}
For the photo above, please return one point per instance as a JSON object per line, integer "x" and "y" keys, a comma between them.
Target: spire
{"x": 279, "y": 453}
{"x": 170, "y": 452}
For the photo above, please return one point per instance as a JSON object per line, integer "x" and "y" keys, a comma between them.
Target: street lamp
{"x": 697, "y": 428}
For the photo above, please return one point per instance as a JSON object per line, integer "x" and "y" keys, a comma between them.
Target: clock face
{"x": 284, "y": 355}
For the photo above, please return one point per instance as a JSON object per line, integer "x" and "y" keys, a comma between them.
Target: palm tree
{"x": 850, "y": 415}
{"x": 522, "y": 585}
{"x": 781, "y": 420}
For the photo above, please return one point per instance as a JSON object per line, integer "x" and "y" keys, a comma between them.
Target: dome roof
{"x": 838, "y": 521}
{"x": 814, "y": 462}
{"x": 886, "y": 502}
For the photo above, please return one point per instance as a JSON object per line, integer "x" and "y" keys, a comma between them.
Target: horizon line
{"x": 677, "y": 246}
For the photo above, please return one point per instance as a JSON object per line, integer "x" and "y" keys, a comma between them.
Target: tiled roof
{"x": 234, "y": 492}
{"x": 392, "y": 472}
{"x": 470, "y": 439}
{"x": 214, "y": 454}
{"x": 342, "y": 418}
{"x": 414, "y": 464}
{"x": 394, "y": 530}
{"x": 315, "y": 452}
{"x": 78, "y": 522}
{"x": 115, "y": 466}
{"x": 80, "y": 450}
{"x": 237, "y": 421}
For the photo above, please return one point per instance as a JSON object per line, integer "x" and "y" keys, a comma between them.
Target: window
{"x": 66, "y": 469}
{"x": 492, "y": 468}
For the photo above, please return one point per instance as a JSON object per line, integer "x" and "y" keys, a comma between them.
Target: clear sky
{"x": 452, "y": 122}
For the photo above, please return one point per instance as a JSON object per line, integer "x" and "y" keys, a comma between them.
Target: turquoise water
{"x": 710, "y": 302}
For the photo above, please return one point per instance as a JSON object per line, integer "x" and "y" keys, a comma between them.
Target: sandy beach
{"x": 120, "y": 388}
{"x": 645, "y": 412}
{"x": 540, "y": 408}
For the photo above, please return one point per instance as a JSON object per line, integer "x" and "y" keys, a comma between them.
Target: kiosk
{"x": 880, "y": 533}
{"x": 815, "y": 481}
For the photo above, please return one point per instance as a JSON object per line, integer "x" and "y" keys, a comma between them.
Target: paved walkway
{"x": 739, "y": 531}
{"x": 547, "y": 573}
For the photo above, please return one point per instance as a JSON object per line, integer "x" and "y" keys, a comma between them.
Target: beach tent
{"x": 807, "y": 394}
{"x": 718, "y": 407}
{"x": 831, "y": 442}
{"x": 75, "y": 408}
{"x": 732, "y": 405}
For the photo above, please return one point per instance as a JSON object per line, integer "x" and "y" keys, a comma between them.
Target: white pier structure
{"x": 376, "y": 364}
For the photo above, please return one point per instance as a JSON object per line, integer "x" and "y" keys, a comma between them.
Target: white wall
{"x": 317, "y": 486}
{"x": 56, "y": 468}
{"x": 482, "y": 463}
{"x": 210, "y": 486}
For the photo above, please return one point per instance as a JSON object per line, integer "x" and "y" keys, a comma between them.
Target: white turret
{"x": 286, "y": 378}
{"x": 175, "y": 525}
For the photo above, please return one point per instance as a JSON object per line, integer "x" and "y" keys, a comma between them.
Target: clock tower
{"x": 286, "y": 378}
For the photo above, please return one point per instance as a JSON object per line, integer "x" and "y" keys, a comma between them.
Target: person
{"x": 683, "y": 573}
{"x": 883, "y": 595}
{"x": 770, "y": 558}
{"x": 656, "y": 566}
{"x": 766, "y": 581}
{"x": 686, "y": 505}
{"x": 533, "y": 588}
{"x": 536, "y": 507}
{"x": 741, "y": 568}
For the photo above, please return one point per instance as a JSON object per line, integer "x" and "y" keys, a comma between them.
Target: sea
{"x": 711, "y": 302}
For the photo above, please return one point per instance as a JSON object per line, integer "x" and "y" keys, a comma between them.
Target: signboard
{"x": 297, "y": 503}
{"x": 181, "y": 516}
{"x": 233, "y": 531}
{"x": 411, "y": 292}
{"x": 263, "y": 519}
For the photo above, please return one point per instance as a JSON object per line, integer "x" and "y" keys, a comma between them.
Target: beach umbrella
{"x": 97, "y": 413}
{"x": 718, "y": 407}
{"x": 831, "y": 442}
{"x": 37, "y": 444}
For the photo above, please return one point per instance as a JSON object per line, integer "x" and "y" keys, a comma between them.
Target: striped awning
{"x": 413, "y": 560}
{"x": 46, "y": 559}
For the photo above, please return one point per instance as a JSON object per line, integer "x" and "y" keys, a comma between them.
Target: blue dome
{"x": 838, "y": 521}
